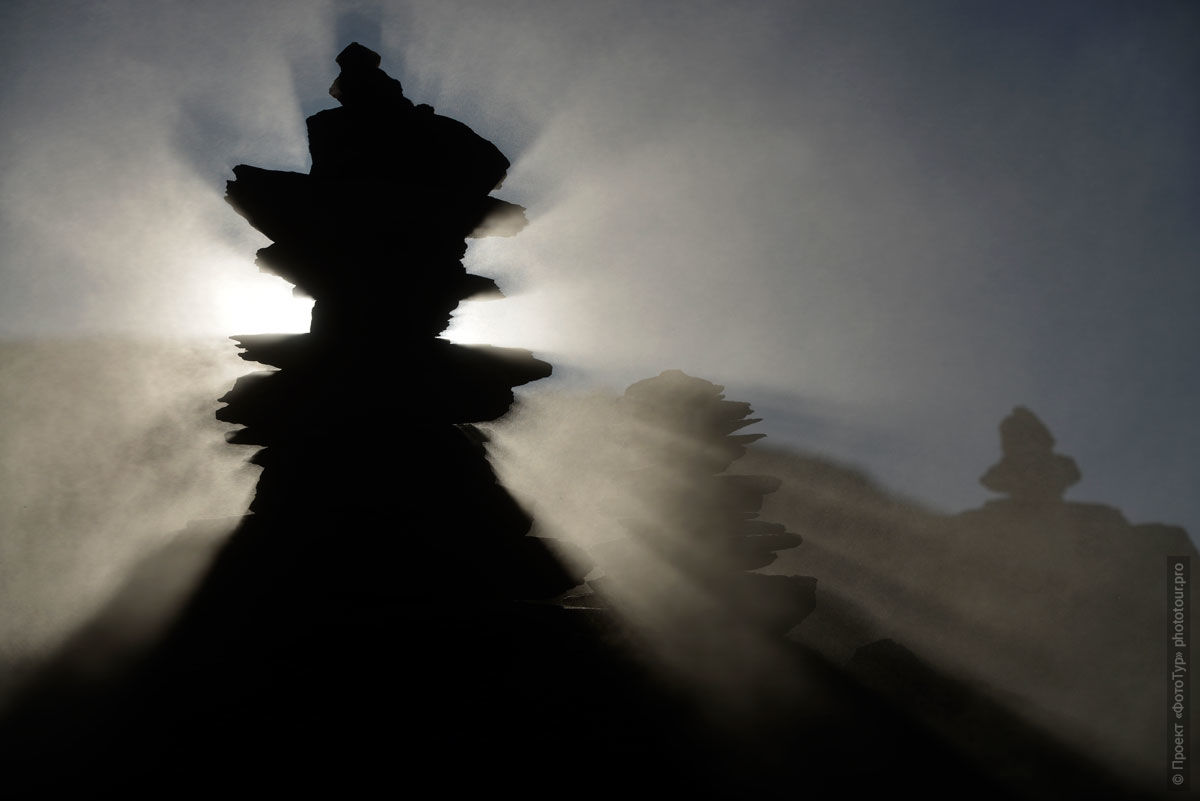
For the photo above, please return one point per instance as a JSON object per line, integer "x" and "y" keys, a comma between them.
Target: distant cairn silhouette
{"x": 370, "y": 465}
{"x": 692, "y": 525}
{"x": 1030, "y": 473}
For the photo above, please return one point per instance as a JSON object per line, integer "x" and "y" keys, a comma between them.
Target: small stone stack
{"x": 690, "y": 517}
{"x": 1030, "y": 472}
{"x": 372, "y": 472}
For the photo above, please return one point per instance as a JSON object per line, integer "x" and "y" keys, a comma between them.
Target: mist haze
{"x": 1050, "y": 609}
{"x": 110, "y": 452}
{"x": 908, "y": 219}
{"x": 883, "y": 225}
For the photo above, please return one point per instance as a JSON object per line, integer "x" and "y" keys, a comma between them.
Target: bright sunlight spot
{"x": 512, "y": 322}
{"x": 263, "y": 304}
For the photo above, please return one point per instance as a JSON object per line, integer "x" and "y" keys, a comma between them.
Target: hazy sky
{"x": 884, "y": 224}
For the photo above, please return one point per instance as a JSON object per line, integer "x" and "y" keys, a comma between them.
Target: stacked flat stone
{"x": 370, "y": 463}
{"x": 693, "y": 517}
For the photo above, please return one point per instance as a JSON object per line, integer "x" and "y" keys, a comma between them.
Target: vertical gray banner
{"x": 1179, "y": 574}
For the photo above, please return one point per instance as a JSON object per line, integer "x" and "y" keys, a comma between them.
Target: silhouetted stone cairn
{"x": 368, "y": 465}
{"x": 371, "y": 619}
{"x": 1030, "y": 473}
{"x": 693, "y": 520}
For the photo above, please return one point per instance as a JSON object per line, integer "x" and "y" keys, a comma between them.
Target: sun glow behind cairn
{"x": 519, "y": 322}
{"x": 474, "y": 323}
{"x": 523, "y": 320}
{"x": 262, "y": 304}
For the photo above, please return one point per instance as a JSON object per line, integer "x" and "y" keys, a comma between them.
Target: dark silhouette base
{"x": 267, "y": 686}
{"x": 356, "y": 698}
